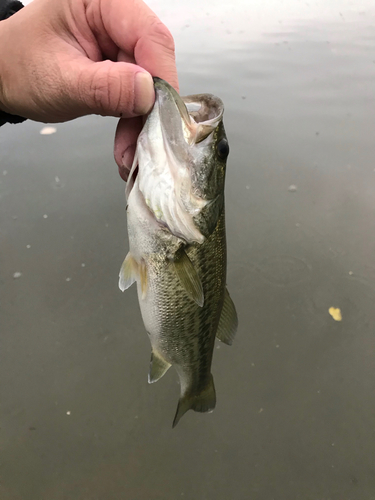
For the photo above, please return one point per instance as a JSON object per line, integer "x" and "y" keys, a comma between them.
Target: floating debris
{"x": 292, "y": 188}
{"x": 351, "y": 273}
{"x": 45, "y": 216}
{"x": 83, "y": 264}
{"x": 68, "y": 412}
{"x": 17, "y": 275}
{"x": 28, "y": 246}
{"x": 48, "y": 130}
{"x": 335, "y": 312}
{"x": 68, "y": 279}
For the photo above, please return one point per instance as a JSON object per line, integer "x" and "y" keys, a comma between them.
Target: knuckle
{"x": 105, "y": 93}
{"x": 161, "y": 35}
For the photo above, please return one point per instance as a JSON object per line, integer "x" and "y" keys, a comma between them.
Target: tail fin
{"x": 202, "y": 402}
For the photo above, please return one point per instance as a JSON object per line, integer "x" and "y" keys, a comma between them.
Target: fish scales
{"x": 186, "y": 332}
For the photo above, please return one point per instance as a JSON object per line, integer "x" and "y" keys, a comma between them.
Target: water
{"x": 295, "y": 415}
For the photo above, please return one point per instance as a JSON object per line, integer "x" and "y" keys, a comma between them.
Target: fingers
{"x": 137, "y": 30}
{"x": 155, "y": 52}
{"x": 125, "y": 141}
{"x": 112, "y": 88}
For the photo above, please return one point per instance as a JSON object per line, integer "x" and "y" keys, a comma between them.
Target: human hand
{"x": 63, "y": 59}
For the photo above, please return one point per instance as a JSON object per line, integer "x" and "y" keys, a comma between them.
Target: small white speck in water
{"x": 47, "y": 130}
{"x": 5, "y": 172}
{"x": 260, "y": 410}
{"x": 351, "y": 273}
{"x": 292, "y": 188}
{"x": 247, "y": 187}
{"x": 277, "y": 346}
{"x": 68, "y": 412}
{"x": 57, "y": 180}
{"x": 45, "y": 216}
{"x": 83, "y": 264}
{"x": 28, "y": 246}
{"x": 17, "y": 275}
{"x": 68, "y": 279}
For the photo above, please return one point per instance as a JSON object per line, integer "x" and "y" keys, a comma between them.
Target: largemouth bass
{"x": 176, "y": 227}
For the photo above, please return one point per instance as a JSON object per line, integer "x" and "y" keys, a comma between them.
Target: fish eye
{"x": 223, "y": 149}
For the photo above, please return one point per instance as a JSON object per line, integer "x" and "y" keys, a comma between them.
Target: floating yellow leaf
{"x": 335, "y": 312}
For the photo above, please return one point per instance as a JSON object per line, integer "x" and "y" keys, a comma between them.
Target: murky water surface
{"x": 296, "y": 407}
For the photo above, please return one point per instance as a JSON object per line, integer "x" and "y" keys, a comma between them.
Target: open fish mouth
{"x": 200, "y": 114}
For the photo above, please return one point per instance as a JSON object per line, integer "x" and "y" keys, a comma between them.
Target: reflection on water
{"x": 295, "y": 412}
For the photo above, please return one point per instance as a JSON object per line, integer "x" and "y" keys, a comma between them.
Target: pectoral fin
{"x": 158, "y": 367}
{"x": 128, "y": 272}
{"x": 228, "y": 323}
{"x": 189, "y": 278}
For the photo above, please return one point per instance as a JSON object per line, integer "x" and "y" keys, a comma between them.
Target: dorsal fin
{"x": 228, "y": 323}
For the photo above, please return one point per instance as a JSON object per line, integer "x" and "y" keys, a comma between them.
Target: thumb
{"x": 114, "y": 89}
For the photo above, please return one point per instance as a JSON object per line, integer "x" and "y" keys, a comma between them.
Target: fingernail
{"x": 144, "y": 93}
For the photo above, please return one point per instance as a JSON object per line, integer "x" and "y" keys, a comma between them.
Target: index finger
{"x": 137, "y": 30}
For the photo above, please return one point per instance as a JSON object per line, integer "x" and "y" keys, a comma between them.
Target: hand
{"x": 61, "y": 59}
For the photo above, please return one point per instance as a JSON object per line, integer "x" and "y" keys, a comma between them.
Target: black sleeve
{"x": 7, "y": 9}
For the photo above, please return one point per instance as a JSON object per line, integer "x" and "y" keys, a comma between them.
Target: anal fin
{"x": 203, "y": 402}
{"x": 228, "y": 323}
{"x": 158, "y": 367}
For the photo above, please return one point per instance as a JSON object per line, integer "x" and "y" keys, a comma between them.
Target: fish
{"x": 177, "y": 243}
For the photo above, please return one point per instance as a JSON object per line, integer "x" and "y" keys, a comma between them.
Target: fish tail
{"x": 204, "y": 401}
